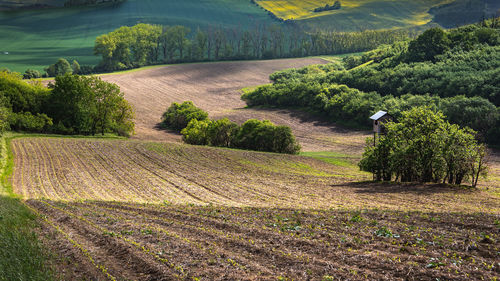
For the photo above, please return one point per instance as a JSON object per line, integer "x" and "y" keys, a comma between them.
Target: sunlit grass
{"x": 355, "y": 14}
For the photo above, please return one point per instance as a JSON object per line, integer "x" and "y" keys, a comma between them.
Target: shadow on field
{"x": 386, "y": 187}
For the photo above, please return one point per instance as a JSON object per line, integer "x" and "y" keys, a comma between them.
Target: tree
{"x": 423, "y": 147}
{"x": 87, "y": 105}
{"x": 201, "y": 41}
{"x": 31, "y": 74}
{"x": 75, "y": 66}
{"x": 178, "y": 116}
{"x": 428, "y": 45}
{"x": 61, "y": 67}
{"x": 196, "y": 132}
{"x": 222, "y": 132}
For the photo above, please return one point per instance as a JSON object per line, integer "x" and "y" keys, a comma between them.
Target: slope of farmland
{"x": 215, "y": 87}
{"x": 355, "y": 15}
{"x": 153, "y": 242}
{"x": 133, "y": 171}
{"x": 37, "y": 38}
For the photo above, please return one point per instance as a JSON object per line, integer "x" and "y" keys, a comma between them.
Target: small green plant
{"x": 146, "y": 231}
{"x": 435, "y": 263}
{"x": 110, "y": 233}
{"x": 356, "y": 217}
{"x": 384, "y": 232}
{"x": 327, "y": 278}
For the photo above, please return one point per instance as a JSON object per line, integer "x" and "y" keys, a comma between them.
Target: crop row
{"x": 256, "y": 243}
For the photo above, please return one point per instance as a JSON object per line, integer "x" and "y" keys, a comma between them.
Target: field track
{"x": 215, "y": 87}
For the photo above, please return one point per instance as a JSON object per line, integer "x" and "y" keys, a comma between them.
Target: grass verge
{"x": 22, "y": 256}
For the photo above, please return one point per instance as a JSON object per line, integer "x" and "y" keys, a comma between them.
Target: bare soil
{"x": 136, "y": 171}
{"x": 215, "y": 87}
{"x": 161, "y": 242}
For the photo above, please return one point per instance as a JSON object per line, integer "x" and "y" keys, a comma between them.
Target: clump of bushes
{"x": 423, "y": 147}
{"x": 72, "y": 105}
{"x": 336, "y": 6}
{"x": 252, "y": 135}
{"x": 178, "y": 116}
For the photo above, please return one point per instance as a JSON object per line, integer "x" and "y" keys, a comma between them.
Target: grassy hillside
{"x": 356, "y": 14}
{"x": 35, "y": 39}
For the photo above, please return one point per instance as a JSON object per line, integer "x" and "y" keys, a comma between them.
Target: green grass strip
{"x": 22, "y": 256}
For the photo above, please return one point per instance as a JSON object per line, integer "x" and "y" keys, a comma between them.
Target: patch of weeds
{"x": 435, "y": 263}
{"x": 356, "y": 217}
{"x": 127, "y": 232}
{"x": 385, "y": 232}
{"x": 327, "y": 278}
{"x": 109, "y": 233}
{"x": 146, "y": 231}
{"x": 285, "y": 224}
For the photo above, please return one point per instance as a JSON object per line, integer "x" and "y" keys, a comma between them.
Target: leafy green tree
{"x": 222, "y": 132}
{"x": 20, "y": 96}
{"x": 75, "y": 66}
{"x": 201, "y": 41}
{"x": 4, "y": 119}
{"x": 31, "y": 74}
{"x": 178, "y": 116}
{"x": 61, "y": 67}
{"x": 265, "y": 136}
{"x": 87, "y": 105}
{"x": 423, "y": 147}
{"x": 25, "y": 121}
{"x": 427, "y": 46}
{"x": 196, "y": 132}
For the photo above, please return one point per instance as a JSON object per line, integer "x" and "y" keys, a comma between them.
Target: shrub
{"x": 31, "y": 74}
{"x": 61, "y": 67}
{"x": 222, "y": 132}
{"x": 265, "y": 136}
{"x": 423, "y": 147}
{"x": 25, "y": 121}
{"x": 196, "y": 132}
{"x": 178, "y": 116}
{"x": 252, "y": 135}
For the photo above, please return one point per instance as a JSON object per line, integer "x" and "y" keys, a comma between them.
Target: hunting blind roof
{"x": 378, "y": 115}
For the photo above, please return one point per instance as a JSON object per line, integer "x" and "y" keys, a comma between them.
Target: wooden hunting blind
{"x": 379, "y": 120}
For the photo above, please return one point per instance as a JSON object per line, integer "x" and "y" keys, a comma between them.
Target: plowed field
{"x": 215, "y": 87}
{"x": 134, "y": 210}
{"x": 159, "y": 242}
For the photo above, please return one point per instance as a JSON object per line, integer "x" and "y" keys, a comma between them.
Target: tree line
{"x": 197, "y": 129}
{"x": 73, "y": 104}
{"x": 146, "y": 44}
{"x": 336, "y": 6}
{"x": 456, "y": 72}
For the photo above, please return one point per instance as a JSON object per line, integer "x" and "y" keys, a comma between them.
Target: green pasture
{"x": 37, "y": 38}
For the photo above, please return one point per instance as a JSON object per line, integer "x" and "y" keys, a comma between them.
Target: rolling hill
{"x": 37, "y": 38}
{"x": 358, "y": 15}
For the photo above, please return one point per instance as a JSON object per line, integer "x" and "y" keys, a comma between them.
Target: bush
{"x": 25, "y": 121}
{"x": 88, "y": 105}
{"x": 31, "y": 74}
{"x": 178, "y": 116}
{"x": 252, "y": 135}
{"x": 61, "y": 67}
{"x": 265, "y": 136}
{"x": 196, "y": 132}
{"x": 423, "y": 147}
{"x": 222, "y": 132}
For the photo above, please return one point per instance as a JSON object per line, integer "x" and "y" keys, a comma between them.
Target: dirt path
{"x": 215, "y": 87}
